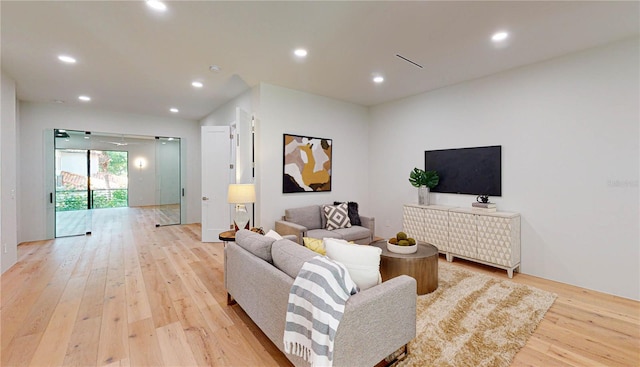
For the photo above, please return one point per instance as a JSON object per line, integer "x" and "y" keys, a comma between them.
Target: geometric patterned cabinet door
{"x": 463, "y": 234}
{"x": 497, "y": 237}
{"x": 491, "y": 238}
{"x": 436, "y": 226}
{"x": 413, "y": 222}
{"x": 427, "y": 223}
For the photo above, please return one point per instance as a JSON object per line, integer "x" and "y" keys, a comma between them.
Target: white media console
{"x": 491, "y": 238}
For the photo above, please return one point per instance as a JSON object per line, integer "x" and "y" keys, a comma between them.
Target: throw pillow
{"x": 354, "y": 216}
{"x": 314, "y": 244}
{"x": 362, "y": 261}
{"x": 337, "y": 216}
{"x": 273, "y": 234}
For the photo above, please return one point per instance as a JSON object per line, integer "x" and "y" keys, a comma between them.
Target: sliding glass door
{"x": 109, "y": 179}
{"x": 72, "y": 183}
{"x": 168, "y": 183}
{"x": 86, "y": 179}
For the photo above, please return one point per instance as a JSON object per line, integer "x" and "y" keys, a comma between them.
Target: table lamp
{"x": 241, "y": 194}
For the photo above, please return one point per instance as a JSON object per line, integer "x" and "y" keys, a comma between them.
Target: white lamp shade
{"x": 241, "y": 193}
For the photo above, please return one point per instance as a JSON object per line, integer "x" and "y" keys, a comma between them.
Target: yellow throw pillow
{"x": 314, "y": 244}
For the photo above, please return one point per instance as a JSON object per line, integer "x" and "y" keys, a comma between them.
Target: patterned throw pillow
{"x": 337, "y": 216}
{"x": 354, "y": 217}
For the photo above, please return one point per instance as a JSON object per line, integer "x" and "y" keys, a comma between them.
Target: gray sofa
{"x": 259, "y": 272}
{"x": 309, "y": 221}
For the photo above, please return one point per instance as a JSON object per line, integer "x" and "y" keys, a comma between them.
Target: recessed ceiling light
{"x": 301, "y": 52}
{"x": 59, "y": 101}
{"x": 84, "y": 98}
{"x": 197, "y": 84}
{"x": 174, "y": 110}
{"x": 378, "y": 79}
{"x": 499, "y": 36}
{"x": 67, "y": 59}
{"x": 156, "y": 5}
{"x": 214, "y": 68}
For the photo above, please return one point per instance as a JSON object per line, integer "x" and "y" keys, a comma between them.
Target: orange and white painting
{"x": 306, "y": 164}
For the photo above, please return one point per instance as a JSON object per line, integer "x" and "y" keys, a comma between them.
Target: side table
{"x": 227, "y": 236}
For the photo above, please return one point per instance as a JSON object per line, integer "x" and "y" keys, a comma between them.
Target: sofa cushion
{"x": 362, "y": 261}
{"x": 353, "y": 233}
{"x": 322, "y": 233}
{"x": 337, "y": 216}
{"x": 255, "y": 243}
{"x": 314, "y": 244}
{"x": 308, "y": 216}
{"x": 289, "y": 257}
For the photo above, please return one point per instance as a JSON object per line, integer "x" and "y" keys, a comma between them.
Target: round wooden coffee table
{"x": 421, "y": 265}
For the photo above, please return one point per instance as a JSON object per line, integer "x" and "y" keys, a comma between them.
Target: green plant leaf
{"x": 419, "y": 177}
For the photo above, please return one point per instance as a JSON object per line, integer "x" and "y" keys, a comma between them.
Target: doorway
{"x": 105, "y": 174}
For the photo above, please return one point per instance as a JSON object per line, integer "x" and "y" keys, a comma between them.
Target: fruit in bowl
{"x": 402, "y": 244}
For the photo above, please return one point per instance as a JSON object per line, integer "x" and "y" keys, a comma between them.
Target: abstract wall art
{"x": 306, "y": 164}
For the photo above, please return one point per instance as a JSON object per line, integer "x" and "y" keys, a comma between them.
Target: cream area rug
{"x": 474, "y": 320}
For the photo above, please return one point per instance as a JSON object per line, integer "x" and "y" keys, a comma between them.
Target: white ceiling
{"x": 132, "y": 59}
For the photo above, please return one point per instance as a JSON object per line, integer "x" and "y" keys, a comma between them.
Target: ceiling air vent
{"x": 409, "y": 61}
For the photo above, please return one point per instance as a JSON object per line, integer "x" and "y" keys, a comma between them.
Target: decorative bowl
{"x": 402, "y": 249}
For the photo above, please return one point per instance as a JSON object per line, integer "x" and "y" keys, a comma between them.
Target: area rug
{"x": 475, "y": 320}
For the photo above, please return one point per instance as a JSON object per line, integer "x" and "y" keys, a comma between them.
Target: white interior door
{"x": 244, "y": 155}
{"x": 244, "y": 146}
{"x": 216, "y": 155}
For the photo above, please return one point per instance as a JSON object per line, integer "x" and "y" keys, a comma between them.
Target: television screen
{"x": 475, "y": 171}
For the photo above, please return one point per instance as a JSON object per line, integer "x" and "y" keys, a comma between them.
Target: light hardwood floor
{"x": 136, "y": 295}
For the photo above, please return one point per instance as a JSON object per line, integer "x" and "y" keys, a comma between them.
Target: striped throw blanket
{"x": 316, "y": 304}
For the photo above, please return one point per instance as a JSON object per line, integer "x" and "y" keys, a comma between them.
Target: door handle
{"x": 204, "y": 198}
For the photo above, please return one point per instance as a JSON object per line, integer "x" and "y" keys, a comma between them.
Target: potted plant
{"x": 424, "y": 181}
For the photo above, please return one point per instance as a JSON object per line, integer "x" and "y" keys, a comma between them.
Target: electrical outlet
{"x": 5, "y": 248}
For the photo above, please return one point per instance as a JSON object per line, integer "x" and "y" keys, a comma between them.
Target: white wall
{"x": 142, "y": 180}
{"x": 570, "y": 146}
{"x": 226, "y": 114}
{"x": 35, "y": 118}
{"x": 288, "y": 111}
{"x": 8, "y": 175}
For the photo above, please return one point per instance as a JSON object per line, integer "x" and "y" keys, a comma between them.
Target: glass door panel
{"x": 109, "y": 179}
{"x": 168, "y": 185}
{"x": 72, "y": 183}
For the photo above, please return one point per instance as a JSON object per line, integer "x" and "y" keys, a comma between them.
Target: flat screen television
{"x": 475, "y": 171}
